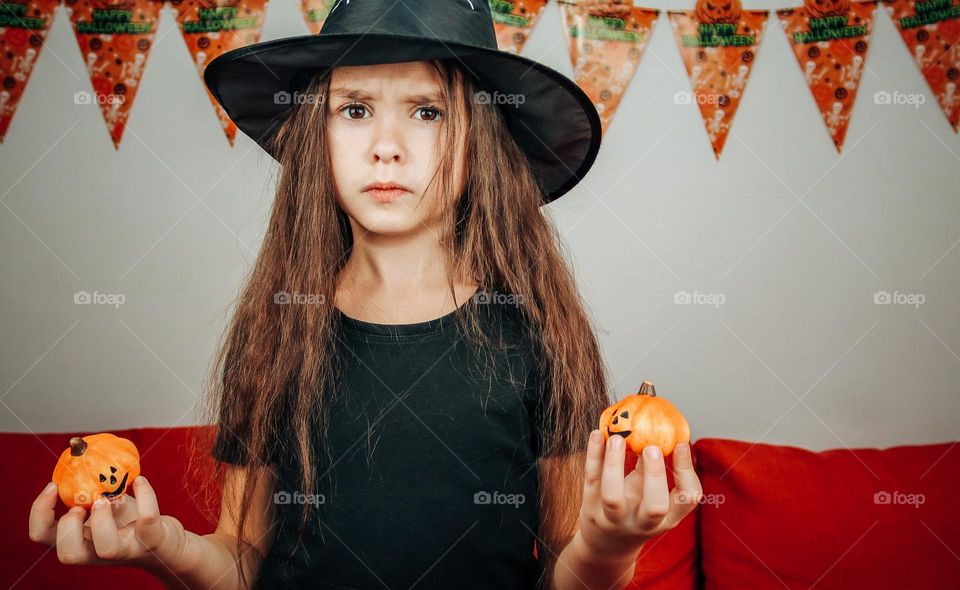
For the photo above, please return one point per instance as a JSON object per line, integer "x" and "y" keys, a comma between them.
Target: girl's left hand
{"x": 620, "y": 513}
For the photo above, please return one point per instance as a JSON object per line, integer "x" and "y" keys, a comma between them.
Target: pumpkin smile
{"x": 119, "y": 489}
{"x": 623, "y": 433}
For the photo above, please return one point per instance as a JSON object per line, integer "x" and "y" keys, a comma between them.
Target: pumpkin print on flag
{"x": 931, "y": 31}
{"x": 23, "y": 29}
{"x": 513, "y": 21}
{"x": 718, "y": 42}
{"x": 115, "y": 38}
{"x": 830, "y": 39}
{"x": 606, "y": 40}
{"x": 213, "y": 27}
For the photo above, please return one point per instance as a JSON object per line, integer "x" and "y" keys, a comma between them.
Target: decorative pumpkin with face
{"x": 718, "y": 11}
{"x": 94, "y": 466}
{"x": 643, "y": 419}
{"x": 822, "y": 8}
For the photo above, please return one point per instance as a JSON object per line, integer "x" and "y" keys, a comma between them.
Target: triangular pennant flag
{"x": 718, "y": 43}
{"x": 931, "y": 31}
{"x": 606, "y": 42}
{"x": 23, "y": 29}
{"x": 514, "y": 21}
{"x": 115, "y": 39}
{"x": 315, "y": 12}
{"x": 830, "y": 40}
{"x": 213, "y": 27}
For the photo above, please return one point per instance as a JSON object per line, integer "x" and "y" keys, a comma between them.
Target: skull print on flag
{"x": 115, "y": 38}
{"x": 830, "y": 40}
{"x": 606, "y": 40}
{"x": 23, "y": 29}
{"x": 718, "y": 42}
{"x": 213, "y": 27}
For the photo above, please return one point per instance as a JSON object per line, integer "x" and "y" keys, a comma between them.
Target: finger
{"x": 43, "y": 526}
{"x": 149, "y": 529}
{"x": 72, "y": 548}
{"x": 593, "y": 468}
{"x": 124, "y": 509}
{"x": 106, "y": 540}
{"x": 656, "y": 494}
{"x": 684, "y": 474}
{"x": 611, "y": 484}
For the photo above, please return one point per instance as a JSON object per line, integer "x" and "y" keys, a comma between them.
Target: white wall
{"x": 795, "y": 238}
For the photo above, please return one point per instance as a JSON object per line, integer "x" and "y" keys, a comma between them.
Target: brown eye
{"x": 434, "y": 114}
{"x": 352, "y": 109}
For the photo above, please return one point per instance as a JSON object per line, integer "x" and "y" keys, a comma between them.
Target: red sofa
{"x": 771, "y": 517}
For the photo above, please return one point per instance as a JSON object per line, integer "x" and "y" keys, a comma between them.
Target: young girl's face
{"x": 384, "y": 123}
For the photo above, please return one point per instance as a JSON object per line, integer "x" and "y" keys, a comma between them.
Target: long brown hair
{"x": 275, "y": 363}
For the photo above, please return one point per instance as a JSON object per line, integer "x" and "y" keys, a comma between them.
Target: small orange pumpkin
{"x": 643, "y": 419}
{"x": 718, "y": 11}
{"x": 96, "y": 465}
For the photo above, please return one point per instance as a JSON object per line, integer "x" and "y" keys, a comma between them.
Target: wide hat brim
{"x": 555, "y": 123}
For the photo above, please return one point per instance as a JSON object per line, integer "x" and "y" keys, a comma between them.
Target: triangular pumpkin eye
{"x": 625, "y": 414}
{"x": 103, "y": 477}
{"x": 113, "y": 470}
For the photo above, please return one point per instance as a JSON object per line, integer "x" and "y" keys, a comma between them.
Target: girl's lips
{"x": 386, "y": 195}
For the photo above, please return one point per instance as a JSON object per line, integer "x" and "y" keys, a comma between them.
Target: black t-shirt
{"x": 431, "y": 478}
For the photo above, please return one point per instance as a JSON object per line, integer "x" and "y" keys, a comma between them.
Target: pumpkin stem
{"x": 646, "y": 388}
{"x": 78, "y": 446}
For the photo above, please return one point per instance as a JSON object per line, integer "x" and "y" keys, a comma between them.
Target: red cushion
{"x": 669, "y": 561}
{"x": 26, "y": 565}
{"x": 785, "y": 517}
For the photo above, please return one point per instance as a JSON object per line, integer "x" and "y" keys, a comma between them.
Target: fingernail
{"x": 594, "y": 436}
{"x": 99, "y": 502}
{"x": 618, "y": 442}
{"x": 683, "y": 447}
{"x": 77, "y": 509}
{"x": 50, "y": 487}
{"x": 652, "y": 452}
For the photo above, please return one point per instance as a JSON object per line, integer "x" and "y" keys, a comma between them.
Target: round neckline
{"x": 414, "y": 329}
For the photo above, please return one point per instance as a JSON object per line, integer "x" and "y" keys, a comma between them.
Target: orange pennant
{"x": 830, "y": 40}
{"x": 931, "y": 31}
{"x": 606, "y": 41}
{"x": 514, "y": 21}
{"x": 115, "y": 38}
{"x": 23, "y": 29}
{"x": 213, "y": 27}
{"x": 315, "y": 12}
{"x": 718, "y": 43}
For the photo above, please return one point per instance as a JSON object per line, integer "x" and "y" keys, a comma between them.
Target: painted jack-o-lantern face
{"x": 822, "y": 8}
{"x": 718, "y": 11}
{"x": 94, "y": 466}
{"x": 643, "y": 419}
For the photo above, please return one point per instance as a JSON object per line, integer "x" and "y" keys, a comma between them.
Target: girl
{"x": 407, "y": 392}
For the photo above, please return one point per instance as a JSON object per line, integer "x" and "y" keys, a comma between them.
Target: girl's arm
{"x": 209, "y": 561}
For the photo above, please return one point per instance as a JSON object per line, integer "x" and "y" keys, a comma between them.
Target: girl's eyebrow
{"x": 354, "y": 94}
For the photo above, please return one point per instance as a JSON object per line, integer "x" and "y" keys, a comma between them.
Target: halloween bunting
{"x": 315, "y": 12}
{"x": 513, "y": 21}
{"x": 606, "y": 40}
{"x": 23, "y": 29}
{"x": 830, "y": 39}
{"x": 931, "y": 31}
{"x": 718, "y": 42}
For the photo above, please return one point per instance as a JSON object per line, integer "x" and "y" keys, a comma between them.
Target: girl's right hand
{"x": 122, "y": 531}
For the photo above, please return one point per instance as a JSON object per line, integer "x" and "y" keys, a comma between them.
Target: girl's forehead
{"x": 416, "y": 72}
